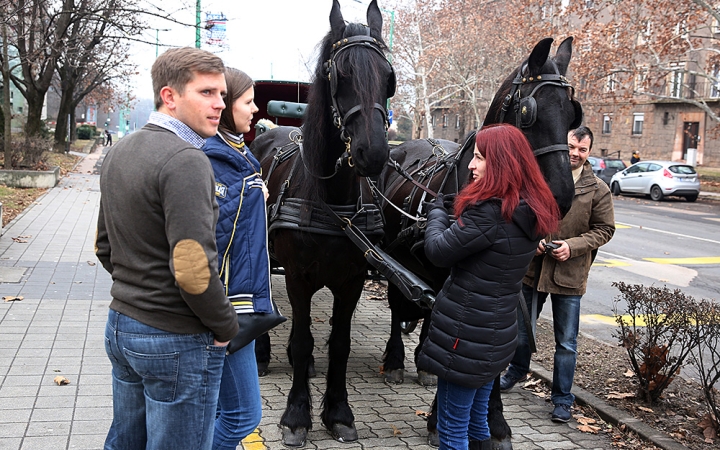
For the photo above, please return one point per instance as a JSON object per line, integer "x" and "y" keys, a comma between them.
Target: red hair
{"x": 511, "y": 174}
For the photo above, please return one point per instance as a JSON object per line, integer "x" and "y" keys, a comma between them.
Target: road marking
{"x": 612, "y": 263}
{"x": 668, "y": 232}
{"x": 669, "y": 273}
{"x": 612, "y": 320}
{"x": 686, "y": 261}
{"x": 619, "y": 226}
{"x": 254, "y": 441}
{"x": 715, "y": 219}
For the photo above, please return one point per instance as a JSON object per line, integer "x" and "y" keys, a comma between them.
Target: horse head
{"x": 538, "y": 99}
{"x": 352, "y": 83}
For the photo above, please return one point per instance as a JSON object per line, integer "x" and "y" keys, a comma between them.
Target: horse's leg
{"x": 336, "y": 414}
{"x": 424, "y": 378}
{"x": 297, "y": 420}
{"x": 311, "y": 363}
{"x": 394, "y": 356}
{"x": 262, "y": 354}
{"x": 499, "y": 429}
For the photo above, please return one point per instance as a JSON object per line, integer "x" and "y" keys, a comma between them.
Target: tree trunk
{"x": 66, "y": 107}
{"x": 7, "y": 109}
{"x": 35, "y": 99}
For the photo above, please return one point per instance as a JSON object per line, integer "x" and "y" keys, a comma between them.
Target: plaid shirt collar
{"x": 172, "y": 124}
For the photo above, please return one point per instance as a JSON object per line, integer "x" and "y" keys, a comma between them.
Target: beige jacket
{"x": 589, "y": 224}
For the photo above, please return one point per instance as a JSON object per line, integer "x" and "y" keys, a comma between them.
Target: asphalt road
{"x": 670, "y": 243}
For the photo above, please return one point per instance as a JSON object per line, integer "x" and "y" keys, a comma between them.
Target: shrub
{"x": 706, "y": 356}
{"x": 658, "y": 335}
{"x": 29, "y": 152}
{"x": 86, "y": 131}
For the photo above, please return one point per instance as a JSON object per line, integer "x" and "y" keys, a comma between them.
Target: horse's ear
{"x": 539, "y": 56}
{"x": 563, "y": 55}
{"x": 374, "y": 18}
{"x": 337, "y": 23}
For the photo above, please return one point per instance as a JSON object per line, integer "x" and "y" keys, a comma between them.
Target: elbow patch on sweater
{"x": 192, "y": 270}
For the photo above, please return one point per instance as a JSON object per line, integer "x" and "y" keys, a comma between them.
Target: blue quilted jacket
{"x": 241, "y": 234}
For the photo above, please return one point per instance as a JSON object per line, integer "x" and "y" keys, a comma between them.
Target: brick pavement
{"x": 46, "y": 256}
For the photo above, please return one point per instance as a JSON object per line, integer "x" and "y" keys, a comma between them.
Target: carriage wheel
{"x": 408, "y": 327}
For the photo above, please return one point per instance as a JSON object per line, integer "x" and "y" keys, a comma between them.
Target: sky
{"x": 267, "y": 39}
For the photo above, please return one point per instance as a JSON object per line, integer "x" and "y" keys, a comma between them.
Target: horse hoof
{"x": 311, "y": 371}
{"x": 433, "y": 439}
{"x": 395, "y": 376}
{"x": 293, "y": 440}
{"x": 263, "y": 368}
{"x": 343, "y": 433}
{"x": 504, "y": 444}
{"x": 426, "y": 378}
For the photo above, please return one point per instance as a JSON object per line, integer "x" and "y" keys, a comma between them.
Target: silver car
{"x": 657, "y": 179}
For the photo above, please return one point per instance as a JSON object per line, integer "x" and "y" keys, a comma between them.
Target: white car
{"x": 657, "y": 179}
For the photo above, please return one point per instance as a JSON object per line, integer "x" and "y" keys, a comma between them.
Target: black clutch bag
{"x": 253, "y": 325}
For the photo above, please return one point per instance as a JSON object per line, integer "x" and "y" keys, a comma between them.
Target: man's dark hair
{"x": 581, "y": 133}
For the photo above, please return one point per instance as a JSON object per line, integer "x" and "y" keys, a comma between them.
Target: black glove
{"x": 438, "y": 203}
{"x": 449, "y": 201}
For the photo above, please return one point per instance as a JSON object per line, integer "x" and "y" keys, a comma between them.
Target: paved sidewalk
{"x": 46, "y": 256}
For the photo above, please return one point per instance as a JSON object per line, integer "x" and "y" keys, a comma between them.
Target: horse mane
{"x": 321, "y": 139}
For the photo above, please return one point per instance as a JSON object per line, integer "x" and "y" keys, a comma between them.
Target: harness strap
{"x": 550, "y": 149}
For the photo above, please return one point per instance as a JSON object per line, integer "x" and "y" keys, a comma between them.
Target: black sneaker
{"x": 561, "y": 413}
{"x": 507, "y": 382}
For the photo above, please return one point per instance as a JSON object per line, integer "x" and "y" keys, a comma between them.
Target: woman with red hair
{"x": 502, "y": 213}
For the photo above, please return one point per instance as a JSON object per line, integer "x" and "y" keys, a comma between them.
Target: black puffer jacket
{"x": 473, "y": 329}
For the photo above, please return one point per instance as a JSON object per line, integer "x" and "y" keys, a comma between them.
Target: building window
{"x": 607, "y": 123}
{"x": 445, "y": 120}
{"x": 676, "y": 83}
{"x": 457, "y": 121}
{"x": 638, "y": 119}
{"x": 432, "y": 120}
{"x": 611, "y": 84}
{"x": 715, "y": 86}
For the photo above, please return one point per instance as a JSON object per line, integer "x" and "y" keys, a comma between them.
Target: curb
{"x": 613, "y": 415}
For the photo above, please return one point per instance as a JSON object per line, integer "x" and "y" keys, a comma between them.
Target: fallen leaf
{"x": 61, "y": 380}
{"x": 585, "y": 420}
{"x": 19, "y": 239}
{"x": 317, "y": 319}
{"x": 395, "y": 430}
{"x": 532, "y": 383}
{"x": 629, "y": 373}
{"x": 540, "y": 394}
{"x": 588, "y": 429}
{"x": 611, "y": 380}
{"x": 420, "y": 413}
{"x": 642, "y": 408}
{"x": 620, "y": 395}
{"x": 10, "y": 298}
{"x": 90, "y": 263}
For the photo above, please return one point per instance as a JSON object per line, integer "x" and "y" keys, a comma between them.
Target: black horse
{"x": 538, "y": 99}
{"x": 316, "y": 177}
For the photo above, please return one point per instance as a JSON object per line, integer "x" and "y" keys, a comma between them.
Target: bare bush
{"x": 28, "y": 152}
{"x": 706, "y": 358}
{"x": 657, "y": 332}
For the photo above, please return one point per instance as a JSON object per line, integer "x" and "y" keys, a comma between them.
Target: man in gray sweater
{"x": 169, "y": 320}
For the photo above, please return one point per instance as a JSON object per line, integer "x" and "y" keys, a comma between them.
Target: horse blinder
{"x": 578, "y": 115}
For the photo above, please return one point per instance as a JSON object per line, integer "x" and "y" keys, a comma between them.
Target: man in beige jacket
{"x": 563, "y": 272}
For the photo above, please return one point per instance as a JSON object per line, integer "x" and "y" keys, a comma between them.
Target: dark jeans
{"x": 566, "y": 322}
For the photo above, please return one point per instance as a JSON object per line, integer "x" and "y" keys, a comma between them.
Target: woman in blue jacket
{"x": 502, "y": 213}
{"x": 244, "y": 264}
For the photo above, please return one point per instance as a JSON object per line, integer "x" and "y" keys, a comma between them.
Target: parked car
{"x": 605, "y": 167}
{"x": 657, "y": 179}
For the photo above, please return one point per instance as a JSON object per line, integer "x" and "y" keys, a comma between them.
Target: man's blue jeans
{"x": 566, "y": 322}
{"x": 462, "y": 413}
{"x": 165, "y": 386}
{"x": 239, "y": 404}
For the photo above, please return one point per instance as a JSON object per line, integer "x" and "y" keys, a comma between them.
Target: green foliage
{"x": 657, "y": 331}
{"x": 86, "y": 132}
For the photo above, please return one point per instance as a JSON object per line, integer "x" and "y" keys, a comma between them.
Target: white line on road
{"x": 670, "y": 233}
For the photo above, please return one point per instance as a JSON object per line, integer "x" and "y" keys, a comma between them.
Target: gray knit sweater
{"x": 156, "y": 235}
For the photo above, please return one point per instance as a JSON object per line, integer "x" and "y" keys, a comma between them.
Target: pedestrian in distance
{"x": 243, "y": 256}
{"x": 501, "y": 215}
{"x": 562, "y": 274}
{"x": 169, "y": 318}
{"x": 635, "y": 157}
{"x": 108, "y": 138}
